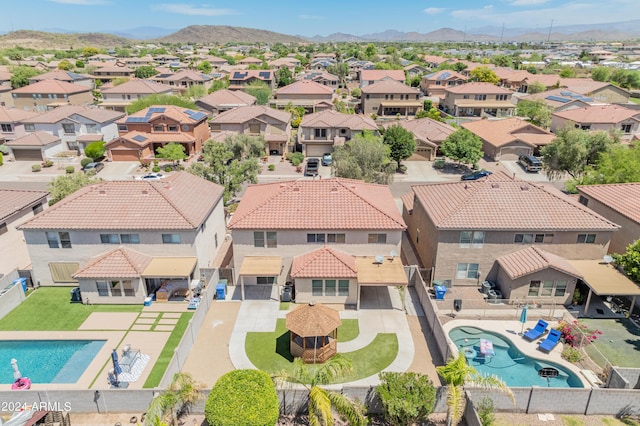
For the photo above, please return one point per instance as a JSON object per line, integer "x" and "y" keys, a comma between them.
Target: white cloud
{"x": 311, "y": 17}
{"x": 82, "y": 2}
{"x": 186, "y": 9}
{"x": 528, "y": 2}
{"x": 433, "y": 10}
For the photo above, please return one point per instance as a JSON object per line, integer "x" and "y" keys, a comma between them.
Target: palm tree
{"x": 457, "y": 373}
{"x": 321, "y": 401}
{"x": 175, "y": 401}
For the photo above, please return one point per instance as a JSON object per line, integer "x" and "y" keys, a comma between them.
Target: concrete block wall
{"x": 612, "y": 401}
{"x": 624, "y": 378}
{"x": 13, "y": 297}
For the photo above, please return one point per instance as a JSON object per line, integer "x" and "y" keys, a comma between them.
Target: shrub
{"x": 571, "y": 354}
{"x": 47, "y": 163}
{"x": 573, "y": 333}
{"x": 85, "y": 161}
{"x": 485, "y": 411}
{"x": 439, "y": 164}
{"x": 243, "y": 398}
{"x": 36, "y": 168}
{"x": 70, "y": 169}
{"x": 145, "y": 164}
{"x": 272, "y": 167}
{"x": 406, "y": 398}
{"x": 181, "y": 167}
{"x": 155, "y": 169}
{"x": 297, "y": 158}
{"x": 95, "y": 150}
{"x": 1, "y": 159}
{"x": 167, "y": 169}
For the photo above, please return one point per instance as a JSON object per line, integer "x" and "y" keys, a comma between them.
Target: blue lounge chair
{"x": 537, "y": 331}
{"x": 551, "y": 341}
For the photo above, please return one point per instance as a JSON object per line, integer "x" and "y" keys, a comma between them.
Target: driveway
{"x": 119, "y": 170}
{"x": 514, "y": 168}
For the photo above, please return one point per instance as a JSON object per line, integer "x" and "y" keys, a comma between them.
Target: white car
{"x": 151, "y": 176}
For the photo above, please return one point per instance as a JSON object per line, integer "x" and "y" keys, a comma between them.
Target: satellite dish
{"x": 379, "y": 259}
{"x": 393, "y": 254}
{"x": 607, "y": 259}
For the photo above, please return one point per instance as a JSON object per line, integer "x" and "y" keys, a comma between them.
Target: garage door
{"x": 318, "y": 150}
{"x": 421, "y": 154}
{"x": 512, "y": 154}
{"x": 27, "y": 155}
{"x": 124, "y": 155}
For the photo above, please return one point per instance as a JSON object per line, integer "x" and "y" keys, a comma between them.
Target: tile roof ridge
{"x": 338, "y": 256}
{"x": 126, "y": 252}
{"x": 171, "y": 203}
{"x": 541, "y": 253}
{"x": 282, "y": 188}
{"x": 351, "y": 189}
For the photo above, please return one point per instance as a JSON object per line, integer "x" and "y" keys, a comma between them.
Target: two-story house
{"x": 599, "y": 91}
{"x": 256, "y": 120}
{"x": 599, "y": 117}
{"x": 119, "y": 97}
{"x": 308, "y": 94}
{"x": 6, "y": 100}
{"x": 291, "y": 63}
{"x": 391, "y": 98}
{"x": 332, "y": 238}
{"x": 436, "y": 83}
{"x": 322, "y": 131}
{"x": 11, "y": 126}
{"x": 224, "y": 100}
{"x": 478, "y": 100}
{"x": 369, "y": 77}
{"x": 122, "y": 241}
{"x": 108, "y": 73}
{"x": 47, "y": 94}
{"x": 182, "y": 80}
{"x": 520, "y": 235}
{"x": 428, "y": 134}
{"x": 239, "y": 79}
{"x": 322, "y": 77}
{"x": 68, "y": 76}
{"x": 140, "y": 134}
{"x": 560, "y": 99}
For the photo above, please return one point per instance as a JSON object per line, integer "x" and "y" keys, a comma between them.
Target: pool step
{"x": 71, "y": 371}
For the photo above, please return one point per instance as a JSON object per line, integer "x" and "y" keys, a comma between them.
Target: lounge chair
{"x": 537, "y": 331}
{"x": 551, "y": 341}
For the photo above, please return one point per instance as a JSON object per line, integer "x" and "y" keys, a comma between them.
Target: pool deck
{"x": 510, "y": 330}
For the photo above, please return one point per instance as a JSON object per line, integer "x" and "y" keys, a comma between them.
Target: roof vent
{"x": 334, "y": 189}
{"x": 354, "y": 187}
{"x": 524, "y": 187}
{"x": 296, "y": 189}
{"x": 167, "y": 185}
{"x": 283, "y": 185}
{"x": 495, "y": 185}
{"x": 145, "y": 192}
{"x": 102, "y": 192}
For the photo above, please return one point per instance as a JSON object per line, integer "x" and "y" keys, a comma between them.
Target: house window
{"x": 329, "y": 287}
{"x": 586, "y": 238}
{"x": 127, "y": 287}
{"x": 316, "y": 238}
{"x": 320, "y": 133}
{"x": 59, "y": 239}
{"x": 3, "y": 228}
{"x": 543, "y": 238}
{"x": 501, "y": 97}
{"x": 215, "y": 237}
{"x": 336, "y": 238}
{"x": 171, "y": 238}
{"x": 122, "y": 128}
{"x": 583, "y": 126}
{"x": 158, "y": 128}
{"x": 266, "y": 280}
{"x": 103, "y": 288}
{"x": 68, "y": 128}
{"x": 91, "y": 128}
{"x": 173, "y": 128}
{"x": 271, "y": 239}
{"x": 316, "y": 287}
{"x": 547, "y": 288}
{"x": 130, "y": 238}
{"x": 29, "y": 127}
{"x": 52, "y": 239}
{"x": 8, "y": 128}
{"x": 65, "y": 239}
{"x": 480, "y": 97}
{"x": 116, "y": 288}
{"x": 465, "y": 96}
{"x": 583, "y": 200}
{"x": 561, "y": 289}
{"x": 534, "y": 288}
{"x": 626, "y": 128}
{"x": 343, "y": 287}
{"x": 215, "y": 127}
{"x": 258, "y": 239}
{"x": 109, "y": 239}
{"x": 366, "y": 96}
{"x": 523, "y": 238}
{"x": 471, "y": 237}
{"x": 37, "y": 208}
{"x": 467, "y": 271}
{"x": 254, "y": 128}
{"x": 377, "y": 238}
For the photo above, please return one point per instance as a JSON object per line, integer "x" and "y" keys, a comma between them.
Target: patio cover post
{"x": 358, "y": 297}
{"x": 633, "y": 303}
{"x": 242, "y": 285}
{"x": 586, "y": 305}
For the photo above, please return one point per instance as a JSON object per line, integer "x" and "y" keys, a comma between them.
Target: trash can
{"x": 21, "y": 281}
{"x": 486, "y": 287}
{"x": 148, "y": 300}
{"x": 285, "y": 296}
{"x": 440, "y": 291}
{"x": 221, "y": 290}
{"x": 457, "y": 305}
{"x": 76, "y": 297}
{"x": 495, "y": 296}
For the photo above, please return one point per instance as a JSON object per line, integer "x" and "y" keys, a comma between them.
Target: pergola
{"x": 313, "y": 332}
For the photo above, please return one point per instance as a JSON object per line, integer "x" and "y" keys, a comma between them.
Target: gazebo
{"x": 313, "y": 331}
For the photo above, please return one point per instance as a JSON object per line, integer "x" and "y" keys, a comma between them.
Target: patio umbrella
{"x": 16, "y": 373}
{"x": 523, "y": 318}
{"x": 116, "y": 365}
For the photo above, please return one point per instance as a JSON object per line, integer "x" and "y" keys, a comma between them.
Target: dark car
{"x": 530, "y": 163}
{"x": 327, "y": 159}
{"x": 476, "y": 175}
{"x": 96, "y": 167}
{"x": 313, "y": 164}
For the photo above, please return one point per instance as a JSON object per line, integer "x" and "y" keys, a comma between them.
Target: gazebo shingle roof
{"x": 313, "y": 320}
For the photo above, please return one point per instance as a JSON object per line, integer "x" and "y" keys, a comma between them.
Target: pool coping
{"x": 508, "y": 330}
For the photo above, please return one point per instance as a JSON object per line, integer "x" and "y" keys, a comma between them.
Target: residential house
{"x": 11, "y": 126}
{"x": 428, "y": 134}
{"x": 369, "y": 77}
{"x": 16, "y": 207}
{"x": 509, "y": 138}
{"x": 291, "y": 63}
{"x": 599, "y": 117}
{"x": 599, "y": 91}
{"x": 434, "y": 61}
{"x": 355, "y": 66}
{"x": 110, "y": 72}
{"x": 223, "y": 100}
{"x": 347, "y": 241}
{"x": 239, "y": 79}
{"x": 619, "y": 203}
{"x": 122, "y": 241}
{"x": 319, "y": 64}
{"x": 435, "y": 84}
{"x": 5, "y": 89}
{"x": 560, "y": 99}
{"x": 140, "y": 134}
{"x": 48, "y": 94}
{"x": 322, "y": 77}
{"x": 519, "y": 235}
{"x": 135, "y": 62}
{"x": 415, "y": 70}
{"x": 68, "y": 76}
{"x": 119, "y": 97}
{"x": 549, "y": 81}
{"x": 256, "y": 120}
{"x": 391, "y": 98}
{"x": 600, "y": 55}
{"x": 308, "y": 94}
{"x": 183, "y": 80}
{"x": 320, "y": 132}
{"x": 36, "y": 146}
{"x": 76, "y": 126}
{"x": 478, "y": 100}
{"x": 516, "y": 80}
{"x": 101, "y": 57}
{"x": 249, "y": 60}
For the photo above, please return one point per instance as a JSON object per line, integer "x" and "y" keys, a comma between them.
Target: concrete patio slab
{"x": 109, "y": 321}
{"x": 145, "y": 321}
{"x": 166, "y": 307}
{"x": 164, "y": 328}
{"x": 168, "y": 321}
{"x": 141, "y": 327}
{"x": 171, "y": 315}
{"x": 149, "y": 314}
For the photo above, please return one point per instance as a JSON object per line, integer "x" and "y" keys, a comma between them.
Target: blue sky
{"x": 308, "y": 18}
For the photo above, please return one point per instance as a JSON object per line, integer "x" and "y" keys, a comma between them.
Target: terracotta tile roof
{"x": 585, "y": 85}
{"x": 375, "y": 75}
{"x": 389, "y": 86}
{"x": 245, "y": 113}
{"x": 478, "y": 88}
{"x": 189, "y": 75}
{"x": 408, "y": 200}
{"x": 621, "y": 197}
{"x": 138, "y": 87}
{"x": 599, "y": 114}
{"x": 533, "y": 259}
{"x": 548, "y": 80}
{"x": 508, "y": 130}
{"x": 117, "y": 263}
{"x": 304, "y": 87}
{"x": 503, "y": 203}
{"x": 52, "y": 86}
{"x": 98, "y": 115}
{"x": 313, "y": 320}
{"x": 324, "y": 263}
{"x": 90, "y": 137}
{"x": 61, "y": 75}
{"x": 143, "y": 139}
{"x": 250, "y": 60}
{"x": 113, "y": 68}
{"x": 444, "y": 75}
{"x": 512, "y": 75}
{"x": 558, "y": 97}
{"x": 14, "y": 115}
{"x": 333, "y": 204}
{"x": 333, "y": 119}
{"x": 155, "y": 112}
{"x": 39, "y": 138}
{"x": 227, "y": 97}
{"x": 242, "y": 75}
{"x": 14, "y": 200}
{"x": 5, "y": 76}
{"x": 426, "y": 130}
{"x": 122, "y": 205}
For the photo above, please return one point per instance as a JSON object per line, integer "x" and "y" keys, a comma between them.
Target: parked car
{"x": 313, "y": 164}
{"x": 530, "y": 163}
{"x": 151, "y": 176}
{"x": 93, "y": 166}
{"x": 327, "y": 159}
{"x": 476, "y": 175}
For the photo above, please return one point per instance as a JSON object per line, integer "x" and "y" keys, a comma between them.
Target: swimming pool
{"x": 511, "y": 365}
{"x": 47, "y": 361}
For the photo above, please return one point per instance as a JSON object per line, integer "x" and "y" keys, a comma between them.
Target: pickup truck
{"x": 312, "y": 166}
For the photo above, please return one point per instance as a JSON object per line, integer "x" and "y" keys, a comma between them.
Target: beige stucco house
{"x": 599, "y": 117}
{"x": 322, "y": 131}
{"x": 391, "y": 98}
{"x": 47, "y": 94}
{"x": 478, "y": 100}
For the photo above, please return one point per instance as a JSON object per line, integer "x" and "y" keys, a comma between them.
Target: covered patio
{"x": 378, "y": 271}
{"x": 169, "y": 277}
{"x": 265, "y": 270}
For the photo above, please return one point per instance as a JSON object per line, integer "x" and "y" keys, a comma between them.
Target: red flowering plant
{"x": 576, "y": 334}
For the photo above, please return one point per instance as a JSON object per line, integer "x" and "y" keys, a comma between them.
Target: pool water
{"x": 47, "y": 361}
{"x": 512, "y": 366}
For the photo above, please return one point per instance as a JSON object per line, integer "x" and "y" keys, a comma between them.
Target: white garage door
{"x": 512, "y": 153}
{"x": 27, "y": 155}
{"x": 318, "y": 150}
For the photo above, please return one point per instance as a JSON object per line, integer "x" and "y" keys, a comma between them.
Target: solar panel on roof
{"x": 264, "y": 74}
{"x": 566, "y": 93}
{"x": 238, "y": 74}
{"x": 136, "y": 120}
{"x": 558, "y": 99}
{"x": 198, "y": 116}
{"x": 139, "y": 138}
{"x": 155, "y": 110}
{"x": 444, "y": 75}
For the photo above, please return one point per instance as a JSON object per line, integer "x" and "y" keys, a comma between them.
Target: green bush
{"x": 485, "y": 412}
{"x": 36, "y": 168}
{"x": 243, "y": 398}
{"x": 439, "y": 163}
{"x": 406, "y": 398}
{"x": 95, "y": 150}
{"x": 47, "y": 163}
{"x": 1, "y": 159}
{"x": 296, "y": 158}
{"x": 70, "y": 169}
{"x": 167, "y": 169}
{"x": 155, "y": 169}
{"x": 85, "y": 161}
{"x": 272, "y": 167}
{"x": 571, "y": 354}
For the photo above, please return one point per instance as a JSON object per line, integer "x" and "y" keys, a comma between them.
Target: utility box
{"x": 76, "y": 297}
{"x": 440, "y": 292}
{"x": 457, "y": 305}
{"x": 286, "y": 294}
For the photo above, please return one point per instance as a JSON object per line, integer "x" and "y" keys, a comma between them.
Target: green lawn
{"x": 49, "y": 309}
{"x": 167, "y": 352}
{"x": 270, "y": 351}
{"x": 349, "y": 330}
{"x": 619, "y": 342}
{"x": 635, "y": 100}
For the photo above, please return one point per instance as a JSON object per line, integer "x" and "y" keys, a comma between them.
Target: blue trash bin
{"x": 23, "y": 282}
{"x": 440, "y": 291}
{"x": 221, "y": 290}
